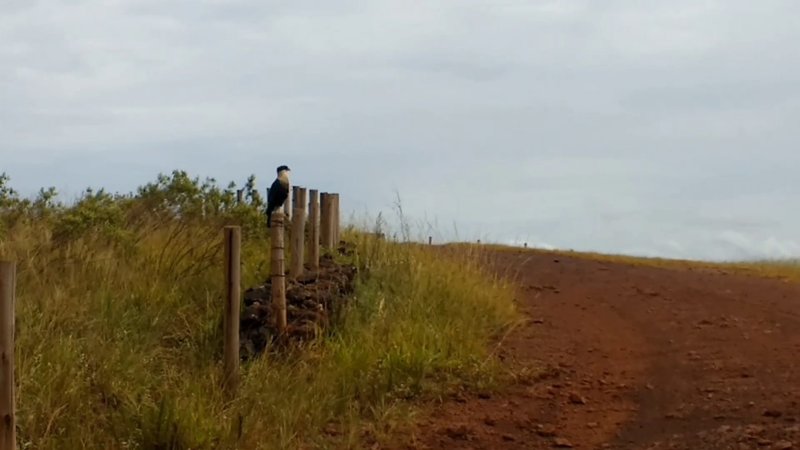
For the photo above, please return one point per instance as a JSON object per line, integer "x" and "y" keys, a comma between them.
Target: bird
{"x": 278, "y": 192}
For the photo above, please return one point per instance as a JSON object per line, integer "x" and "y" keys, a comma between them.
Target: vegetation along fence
{"x": 319, "y": 211}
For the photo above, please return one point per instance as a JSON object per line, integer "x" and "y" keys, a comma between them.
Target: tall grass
{"x": 118, "y": 339}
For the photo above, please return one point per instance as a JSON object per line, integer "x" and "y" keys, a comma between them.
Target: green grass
{"x": 119, "y": 342}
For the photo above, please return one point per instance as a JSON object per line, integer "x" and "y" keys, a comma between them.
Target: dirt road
{"x": 637, "y": 358}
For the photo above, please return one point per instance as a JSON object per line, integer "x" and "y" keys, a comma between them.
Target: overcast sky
{"x": 646, "y": 127}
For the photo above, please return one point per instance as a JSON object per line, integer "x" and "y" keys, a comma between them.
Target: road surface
{"x": 630, "y": 357}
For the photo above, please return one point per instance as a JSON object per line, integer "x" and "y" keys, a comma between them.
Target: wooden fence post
{"x": 332, "y": 221}
{"x": 278, "y": 272}
{"x": 336, "y": 220}
{"x": 430, "y": 240}
{"x": 326, "y": 236}
{"x": 239, "y": 196}
{"x": 233, "y": 291}
{"x": 313, "y": 237}
{"x": 8, "y": 423}
{"x": 298, "y": 233}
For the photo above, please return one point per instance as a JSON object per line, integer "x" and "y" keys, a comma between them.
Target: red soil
{"x": 637, "y": 358}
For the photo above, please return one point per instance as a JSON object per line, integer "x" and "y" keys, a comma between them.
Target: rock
{"x": 773, "y": 413}
{"x": 782, "y": 445}
{"x": 546, "y": 430}
{"x": 561, "y": 443}
{"x": 576, "y": 399}
{"x": 457, "y": 433}
{"x": 509, "y": 438}
{"x": 490, "y": 422}
{"x": 312, "y": 301}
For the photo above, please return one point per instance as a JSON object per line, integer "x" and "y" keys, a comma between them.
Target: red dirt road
{"x": 637, "y": 358}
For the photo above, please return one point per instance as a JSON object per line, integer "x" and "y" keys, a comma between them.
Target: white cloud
{"x": 600, "y": 125}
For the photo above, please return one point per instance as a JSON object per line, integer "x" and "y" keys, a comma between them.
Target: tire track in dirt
{"x": 637, "y": 358}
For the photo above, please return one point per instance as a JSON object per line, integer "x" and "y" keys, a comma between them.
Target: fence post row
{"x": 233, "y": 290}
{"x": 278, "y": 275}
{"x": 313, "y": 238}
{"x": 298, "y": 232}
{"x": 8, "y": 430}
{"x": 323, "y": 215}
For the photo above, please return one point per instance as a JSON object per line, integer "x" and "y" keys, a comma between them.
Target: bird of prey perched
{"x": 278, "y": 192}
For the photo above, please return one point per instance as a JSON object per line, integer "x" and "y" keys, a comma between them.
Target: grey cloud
{"x": 618, "y": 125}
{"x": 744, "y": 95}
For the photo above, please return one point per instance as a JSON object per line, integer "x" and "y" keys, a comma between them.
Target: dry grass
{"x": 118, "y": 343}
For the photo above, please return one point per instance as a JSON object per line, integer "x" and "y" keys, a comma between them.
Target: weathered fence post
{"x": 233, "y": 291}
{"x": 336, "y": 219}
{"x": 298, "y": 233}
{"x": 8, "y": 424}
{"x": 430, "y": 240}
{"x": 313, "y": 236}
{"x": 326, "y": 221}
{"x": 278, "y": 272}
{"x": 239, "y": 196}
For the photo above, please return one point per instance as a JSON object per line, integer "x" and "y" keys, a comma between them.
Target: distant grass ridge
{"x": 119, "y": 339}
{"x": 787, "y": 269}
